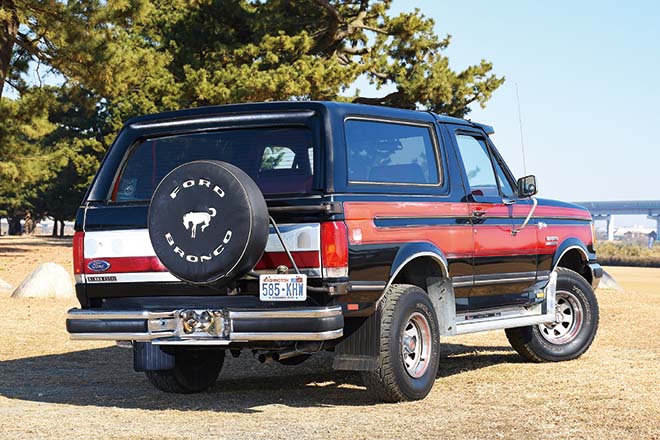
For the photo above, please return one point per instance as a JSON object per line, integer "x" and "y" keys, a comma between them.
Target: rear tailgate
{"x": 119, "y": 260}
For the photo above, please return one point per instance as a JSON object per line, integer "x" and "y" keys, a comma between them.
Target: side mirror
{"x": 527, "y": 186}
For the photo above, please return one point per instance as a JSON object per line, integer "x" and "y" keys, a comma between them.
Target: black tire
{"x": 194, "y": 371}
{"x": 568, "y": 339}
{"x": 208, "y": 222}
{"x": 391, "y": 380}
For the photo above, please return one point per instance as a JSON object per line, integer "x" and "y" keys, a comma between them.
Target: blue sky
{"x": 588, "y": 75}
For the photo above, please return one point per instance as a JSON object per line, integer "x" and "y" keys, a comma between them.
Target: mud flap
{"x": 149, "y": 357}
{"x": 359, "y": 351}
{"x": 441, "y": 292}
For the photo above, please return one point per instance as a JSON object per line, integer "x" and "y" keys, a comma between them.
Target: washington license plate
{"x": 283, "y": 287}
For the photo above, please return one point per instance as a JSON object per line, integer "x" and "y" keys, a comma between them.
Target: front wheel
{"x": 194, "y": 371}
{"x": 409, "y": 339}
{"x": 572, "y": 332}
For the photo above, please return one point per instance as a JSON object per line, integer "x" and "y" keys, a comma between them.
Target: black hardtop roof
{"x": 330, "y": 106}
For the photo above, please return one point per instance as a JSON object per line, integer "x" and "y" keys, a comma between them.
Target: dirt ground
{"x": 51, "y": 387}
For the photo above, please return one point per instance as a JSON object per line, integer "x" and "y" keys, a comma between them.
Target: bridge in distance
{"x": 605, "y": 211}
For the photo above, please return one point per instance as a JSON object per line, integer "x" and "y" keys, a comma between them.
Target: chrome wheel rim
{"x": 416, "y": 345}
{"x": 569, "y": 318}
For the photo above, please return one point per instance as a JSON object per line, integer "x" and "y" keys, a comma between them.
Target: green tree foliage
{"x": 123, "y": 58}
{"x": 50, "y": 151}
{"x": 23, "y": 123}
{"x": 236, "y": 51}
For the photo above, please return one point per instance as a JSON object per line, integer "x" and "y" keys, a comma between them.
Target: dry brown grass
{"x": 52, "y": 387}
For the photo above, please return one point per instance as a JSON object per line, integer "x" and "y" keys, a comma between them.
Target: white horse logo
{"x": 198, "y": 218}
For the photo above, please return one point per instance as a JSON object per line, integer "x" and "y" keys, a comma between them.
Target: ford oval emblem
{"x": 98, "y": 265}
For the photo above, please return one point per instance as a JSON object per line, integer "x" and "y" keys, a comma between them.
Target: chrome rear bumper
{"x": 206, "y": 327}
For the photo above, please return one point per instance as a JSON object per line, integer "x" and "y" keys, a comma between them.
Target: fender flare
{"x": 409, "y": 252}
{"x": 567, "y": 245}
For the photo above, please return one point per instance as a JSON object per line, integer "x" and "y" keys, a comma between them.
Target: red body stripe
{"x": 458, "y": 240}
{"x": 129, "y": 264}
{"x": 451, "y": 239}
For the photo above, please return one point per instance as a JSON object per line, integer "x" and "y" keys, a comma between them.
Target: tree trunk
{"x": 8, "y": 30}
{"x": 14, "y": 225}
{"x": 61, "y": 228}
{"x": 54, "y": 233}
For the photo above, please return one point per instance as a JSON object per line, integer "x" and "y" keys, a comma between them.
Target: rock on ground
{"x": 48, "y": 280}
{"x": 5, "y": 287}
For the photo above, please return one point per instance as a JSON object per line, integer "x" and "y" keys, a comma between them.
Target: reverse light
{"x": 334, "y": 249}
{"x": 78, "y": 252}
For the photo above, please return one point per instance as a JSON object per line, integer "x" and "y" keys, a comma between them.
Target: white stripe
{"x": 122, "y": 243}
{"x": 298, "y": 237}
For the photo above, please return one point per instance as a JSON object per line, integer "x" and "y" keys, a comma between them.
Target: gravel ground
{"x": 51, "y": 387}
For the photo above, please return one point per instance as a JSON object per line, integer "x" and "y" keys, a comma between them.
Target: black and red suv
{"x": 290, "y": 228}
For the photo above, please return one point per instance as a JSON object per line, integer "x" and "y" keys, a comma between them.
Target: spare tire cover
{"x": 208, "y": 222}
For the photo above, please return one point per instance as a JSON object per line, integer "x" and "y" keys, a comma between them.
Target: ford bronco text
{"x": 289, "y": 228}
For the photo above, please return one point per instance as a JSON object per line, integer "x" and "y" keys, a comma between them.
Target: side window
{"x": 478, "y": 167}
{"x": 384, "y": 152}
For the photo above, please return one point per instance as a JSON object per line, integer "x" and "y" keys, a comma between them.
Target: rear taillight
{"x": 78, "y": 252}
{"x": 334, "y": 249}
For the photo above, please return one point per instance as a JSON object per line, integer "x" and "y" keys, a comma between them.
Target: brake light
{"x": 334, "y": 249}
{"x": 78, "y": 252}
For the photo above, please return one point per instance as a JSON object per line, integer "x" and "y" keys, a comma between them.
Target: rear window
{"x": 279, "y": 160}
{"x": 384, "y": 152}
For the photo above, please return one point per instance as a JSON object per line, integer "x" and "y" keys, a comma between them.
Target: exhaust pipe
{"x": 287, "y": 354}
{"x": 299, "y": 350}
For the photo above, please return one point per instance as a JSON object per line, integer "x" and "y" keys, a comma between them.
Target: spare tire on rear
{"x": 208, "y": 222}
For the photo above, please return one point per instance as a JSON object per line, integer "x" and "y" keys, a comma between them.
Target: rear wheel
{"x": 574, "y": 328}
{"x": 194, "y": 371}
{"x": 409, "y": 339}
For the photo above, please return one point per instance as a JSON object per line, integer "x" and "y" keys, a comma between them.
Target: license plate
{"x": 283, "y": 287}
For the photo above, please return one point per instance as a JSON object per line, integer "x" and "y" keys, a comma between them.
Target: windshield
{"x": 280, "y": 160}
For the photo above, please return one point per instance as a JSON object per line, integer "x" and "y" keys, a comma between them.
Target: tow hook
{"x": 209, "y": 321}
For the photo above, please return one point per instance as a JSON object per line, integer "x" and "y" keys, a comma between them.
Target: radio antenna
{"x": 522, "y": 141}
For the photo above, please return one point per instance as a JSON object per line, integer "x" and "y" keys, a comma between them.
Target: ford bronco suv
{"x": 285, "y": 229}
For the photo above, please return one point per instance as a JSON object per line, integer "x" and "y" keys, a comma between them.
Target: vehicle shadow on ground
{"x": 12, "y": 250}
{"x": 104, "y": 377}
{"x": 9, "y": 245}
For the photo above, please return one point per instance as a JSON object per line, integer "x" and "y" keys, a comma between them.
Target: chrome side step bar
{"x": 496, "y": 319}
